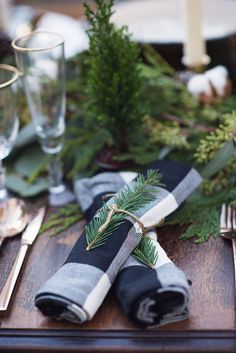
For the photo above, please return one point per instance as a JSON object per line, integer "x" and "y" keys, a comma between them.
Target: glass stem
{"x": 3, "y": 191}
{"x": 55, "y": 175}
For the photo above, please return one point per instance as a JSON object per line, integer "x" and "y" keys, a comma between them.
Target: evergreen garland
{"x": 105, "y": 88}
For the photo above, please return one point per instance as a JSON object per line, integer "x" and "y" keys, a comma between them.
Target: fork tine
{"x": 229, "y": 217}
{"x": 234, "y": 219}
{"x": 223, "y": 216}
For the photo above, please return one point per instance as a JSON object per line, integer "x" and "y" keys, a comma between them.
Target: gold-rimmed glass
{"x": 9, "y": 122}
{"x": 40, "y": 59}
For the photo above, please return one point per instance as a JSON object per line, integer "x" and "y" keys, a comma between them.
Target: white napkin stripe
{"x": 96, "y": 296}
{"x": 128, "y": 176}
{"x": 162, "y": 209}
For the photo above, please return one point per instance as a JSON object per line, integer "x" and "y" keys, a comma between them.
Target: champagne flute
{"x": 40, "y": 59}
{"x": 9, "y": 122}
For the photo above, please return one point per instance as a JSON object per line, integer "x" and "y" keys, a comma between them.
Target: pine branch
{"x": 136, "y": 195}
{"x": 146, "y": 252}
{"x": 62, "y": 220}
{"x": 131, "y": 198}
{"x": 202, "y": 214}
{"x": 208, "y": 226}
{"x": 63, "y": 226}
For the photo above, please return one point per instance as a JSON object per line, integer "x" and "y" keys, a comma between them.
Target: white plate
{"x": 162, "y": 21}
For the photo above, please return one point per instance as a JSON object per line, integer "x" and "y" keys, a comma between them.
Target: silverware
{"x": 27, "y": 239}
{"x": 228, "y": 230}
{"x": 228, "y": 221}
{"x": 13, "y": 218}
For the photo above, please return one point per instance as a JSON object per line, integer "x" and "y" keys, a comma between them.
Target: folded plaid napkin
{"x": 153, "y": 296}
{"x": 148, "y": 296}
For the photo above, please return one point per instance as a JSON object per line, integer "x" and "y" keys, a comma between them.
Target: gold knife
{"x": 27, "y": 239}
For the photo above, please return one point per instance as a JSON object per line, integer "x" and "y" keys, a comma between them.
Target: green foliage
{"x": 166, "y": 134}
{"x": 105, "y": 88}
{"x": 27, "y": 167}
{"x": 25, "y": 136}
{"x": 80, "y": 150}
{"x": 60, "y": 221}
{"x": 224, "y": 179}
{"x": 146, "y": 252}
{"x": 202, "y": 214}
{"x": 216, "y": 152}
{"x": 174, "y": 117}
{"x": 20, "y": 185}
{"x": 172, "y": 125}
{"x": 114, "y": 80}
{"x": 220, "y": 159}
{"x": 210, "y": 145}
{"x": 163, "y": 92}
{"x": 30, "y": 161}
{"x": 131, "y": 198}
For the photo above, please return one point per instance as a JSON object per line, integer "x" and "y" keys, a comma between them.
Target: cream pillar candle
{"x": 5, "y": 14}
{"x": 194, "y": 44}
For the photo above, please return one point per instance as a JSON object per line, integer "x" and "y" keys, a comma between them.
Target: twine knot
{"x": 114, "y": 209}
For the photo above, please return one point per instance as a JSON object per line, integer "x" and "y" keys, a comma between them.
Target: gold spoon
{"x": 13, "y": 218}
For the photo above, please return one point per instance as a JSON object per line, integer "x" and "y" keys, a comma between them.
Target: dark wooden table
{"x": 210, "y": 327}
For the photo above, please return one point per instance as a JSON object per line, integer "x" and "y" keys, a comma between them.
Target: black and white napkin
{"x": 153, "y": 296}
{"x": 148, "y": 296}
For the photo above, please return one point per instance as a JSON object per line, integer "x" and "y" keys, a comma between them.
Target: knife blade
{"x": 27, "y": 239}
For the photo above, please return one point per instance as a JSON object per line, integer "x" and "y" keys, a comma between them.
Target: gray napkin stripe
{"x": 100, "y": 184}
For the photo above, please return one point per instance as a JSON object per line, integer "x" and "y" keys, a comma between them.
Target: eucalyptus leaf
{"x": 25, "y": 136}
{"x": 29, "y": 161}
{"x": 220, "y": 160}
{"x": 18, "y": 185}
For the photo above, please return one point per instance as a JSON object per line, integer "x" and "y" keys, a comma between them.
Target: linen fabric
{"x": 149, "y": 296}
{"x": 153, "y": 296}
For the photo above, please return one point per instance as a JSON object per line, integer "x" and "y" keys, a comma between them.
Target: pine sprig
{"x": 136, "y": 195}
{"x": 146, "y": 252}
{"x": 93, "y": 237}
{"x": 131, "y": 198}
{"x": 62, "y": 220}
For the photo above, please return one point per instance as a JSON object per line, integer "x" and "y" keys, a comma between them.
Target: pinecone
{"x": 5, "y": 45}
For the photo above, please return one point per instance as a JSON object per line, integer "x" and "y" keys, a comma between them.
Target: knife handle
{"x": 8, "y": 288}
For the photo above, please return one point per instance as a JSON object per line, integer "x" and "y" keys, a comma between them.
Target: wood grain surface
{"x": 209, "y": 266}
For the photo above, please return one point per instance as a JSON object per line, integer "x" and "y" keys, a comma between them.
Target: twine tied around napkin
{"x": 114, "y": 209}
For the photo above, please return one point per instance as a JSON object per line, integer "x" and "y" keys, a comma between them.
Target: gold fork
{"x": 228, "y": 230}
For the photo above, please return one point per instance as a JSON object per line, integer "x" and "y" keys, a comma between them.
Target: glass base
{"x": 60, "y": 195}
{"x": 3, "y": 195}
